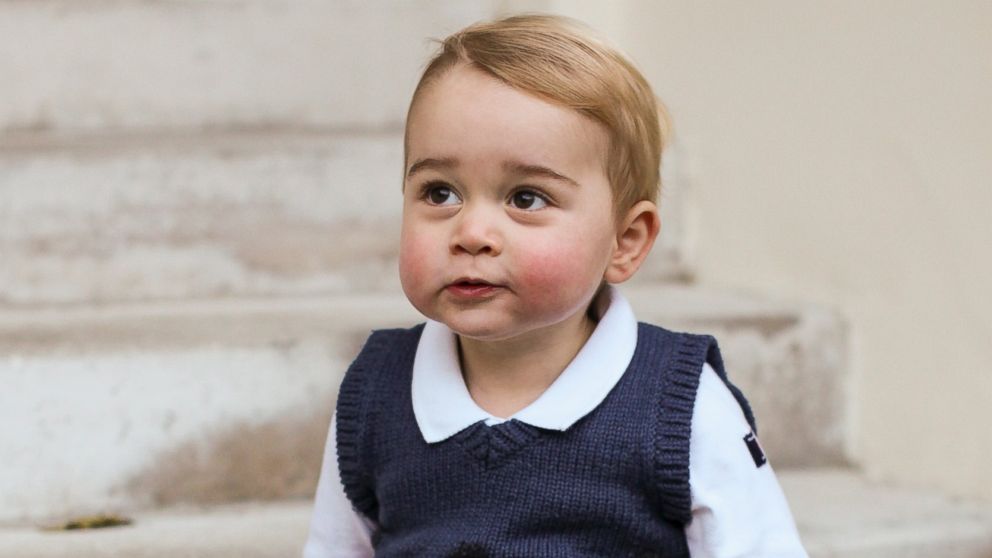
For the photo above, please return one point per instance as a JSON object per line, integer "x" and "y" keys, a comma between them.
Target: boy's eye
{"x": 527, "y": 199}
{"x": 438, "y": 194}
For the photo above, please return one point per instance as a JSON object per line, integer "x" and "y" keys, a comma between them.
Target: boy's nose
{"x": 476, "y": 233}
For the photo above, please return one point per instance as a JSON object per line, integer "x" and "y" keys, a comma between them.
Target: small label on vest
{"x": 755, "y": 448}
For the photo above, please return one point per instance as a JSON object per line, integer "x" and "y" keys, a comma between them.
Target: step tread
{"x": 840, "y": 513}
{"x": 103, "y": 64}
{"x": 253, "y": 530}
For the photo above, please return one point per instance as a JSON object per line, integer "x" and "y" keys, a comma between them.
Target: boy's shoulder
{"x": 649, "y": 332}
{"x": 391, "y": 339}
{"x": 670, "y": 329}
{"x": 689, "y": 352}
{"x": 394, "y": 334}
{"x": 682, "y": 352}
{"x": 382, "y": 347}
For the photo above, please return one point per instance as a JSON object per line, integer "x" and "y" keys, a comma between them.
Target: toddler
{"x": 532, "y": 415}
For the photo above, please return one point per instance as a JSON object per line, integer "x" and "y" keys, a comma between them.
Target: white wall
{"x": 840, "y": 153}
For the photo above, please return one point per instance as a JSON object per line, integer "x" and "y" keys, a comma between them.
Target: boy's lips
{"x": 468, "y": 287}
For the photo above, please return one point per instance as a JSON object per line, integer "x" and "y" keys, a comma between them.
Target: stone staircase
{"x": 198, "y": 217}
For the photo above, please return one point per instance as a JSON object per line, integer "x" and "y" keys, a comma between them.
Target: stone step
{"x": 132, "y": 406}
{"x": 93, "y": 219}
{"x": 839, "y": 513}
{"x": 105, "y": 64}
{"x": 843, "y": 514}
{"x": 127, "y": 218}
{"x": 271, "y": 529}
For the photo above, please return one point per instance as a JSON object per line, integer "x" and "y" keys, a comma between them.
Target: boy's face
{"x": 507, "y": 210}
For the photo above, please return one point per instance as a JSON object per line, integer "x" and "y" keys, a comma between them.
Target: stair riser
{"x": 269, "y": 216}
{"x": 115, "y": 431}
{"x": 123, "y": 65}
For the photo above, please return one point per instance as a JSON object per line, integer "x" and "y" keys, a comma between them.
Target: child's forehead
{"x": 472, "y": 118}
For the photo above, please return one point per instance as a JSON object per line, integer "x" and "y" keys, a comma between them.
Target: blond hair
{"x": 560, "y": 60}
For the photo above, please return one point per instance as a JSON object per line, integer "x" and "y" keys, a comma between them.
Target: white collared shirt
{"x": 738, "y": 509}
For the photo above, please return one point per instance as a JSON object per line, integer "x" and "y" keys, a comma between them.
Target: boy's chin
{"x": 492, "y": 324}
{"x": 492, "y": 332}
{"x": 479, "y": 329}
{"x": 479, "y": 333}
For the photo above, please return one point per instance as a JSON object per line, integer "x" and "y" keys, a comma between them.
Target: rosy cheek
{"x": 409, "y": 260}
{"x": 414, "y": 260}
{"x": 553, "y": 274}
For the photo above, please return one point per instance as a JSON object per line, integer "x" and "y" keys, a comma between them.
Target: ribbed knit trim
{"x": 353, "y": 415}
{"x": 675, "y": 425}
{"x": 678, "y": 397}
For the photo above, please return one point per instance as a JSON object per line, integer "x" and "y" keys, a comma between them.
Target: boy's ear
{"x": 635, "y": 236}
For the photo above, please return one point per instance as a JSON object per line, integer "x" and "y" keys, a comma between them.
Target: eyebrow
{"x": 509, "y": 166}
{"x": 425, "y": 164}
{"x": 536, "y": 170}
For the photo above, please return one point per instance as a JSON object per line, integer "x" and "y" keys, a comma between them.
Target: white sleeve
{"x": 738, "y": 508}
{"x": 336, "y": 529}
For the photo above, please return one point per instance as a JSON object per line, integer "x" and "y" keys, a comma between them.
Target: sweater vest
{"x": 614, "y": 484}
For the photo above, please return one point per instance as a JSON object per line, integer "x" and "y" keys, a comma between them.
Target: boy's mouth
{"x": 471, "y": 288}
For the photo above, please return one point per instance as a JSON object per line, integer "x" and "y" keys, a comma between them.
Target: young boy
{"x": 532, "y": 416}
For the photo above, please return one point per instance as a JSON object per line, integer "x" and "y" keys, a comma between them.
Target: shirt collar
{"x": 443, "y": 407}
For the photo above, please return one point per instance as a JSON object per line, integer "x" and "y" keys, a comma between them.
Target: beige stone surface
{"x": 143, "y": 405}
{"x": 146, "y": 64}
{"x": 269, "y": 530}
{"x": 132, "y": 217}
{"x": 843, "y": 514}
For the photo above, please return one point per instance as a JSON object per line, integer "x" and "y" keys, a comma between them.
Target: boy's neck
{"x": 505, "y": 376}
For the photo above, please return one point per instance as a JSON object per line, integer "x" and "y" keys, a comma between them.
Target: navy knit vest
{"x": 614, "y": 484}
